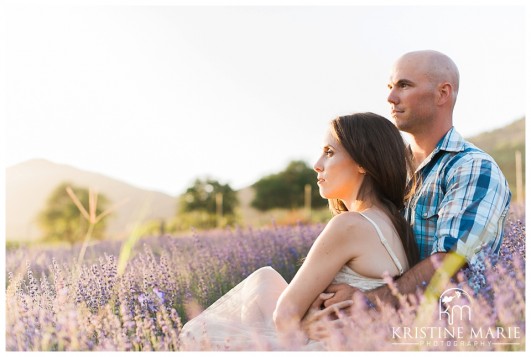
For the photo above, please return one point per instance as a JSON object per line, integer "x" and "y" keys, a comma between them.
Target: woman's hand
{"x": 340, "y": 293}
{"x": 318, "y": 322}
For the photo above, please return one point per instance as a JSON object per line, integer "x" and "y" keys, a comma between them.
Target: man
{"x": 461, "y": 199}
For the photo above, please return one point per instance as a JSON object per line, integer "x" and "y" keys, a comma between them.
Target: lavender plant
{"x": 53, "y": 305}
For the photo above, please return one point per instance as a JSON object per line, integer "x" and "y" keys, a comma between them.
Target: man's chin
{"x": 400, "y": 124}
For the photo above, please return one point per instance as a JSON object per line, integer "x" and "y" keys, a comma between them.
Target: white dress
{"x": 234, "y": 322}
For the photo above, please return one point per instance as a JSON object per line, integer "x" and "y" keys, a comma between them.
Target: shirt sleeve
{"x": 473, "y": 209}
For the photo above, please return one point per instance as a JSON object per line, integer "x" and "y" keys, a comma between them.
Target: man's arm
{"x": 415, "y": 278}
{"x": 325, "y": 308}
{"x": 471, "y": 214}
{"x": 340, "y": 296}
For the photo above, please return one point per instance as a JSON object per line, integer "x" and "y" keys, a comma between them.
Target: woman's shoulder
{"x": 350, "y": 223}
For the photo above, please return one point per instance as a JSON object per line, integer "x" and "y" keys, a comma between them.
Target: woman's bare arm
{"x": 332, "y": 249}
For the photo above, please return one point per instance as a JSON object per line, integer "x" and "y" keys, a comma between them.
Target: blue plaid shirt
{"x": 461, "y": 201}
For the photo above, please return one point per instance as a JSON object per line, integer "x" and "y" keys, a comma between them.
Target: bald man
{"x": 461, "y": 198}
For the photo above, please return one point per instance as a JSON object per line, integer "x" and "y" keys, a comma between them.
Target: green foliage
{"x": 206, "y": 204}
{"x": 200, "y": 220}
{"x": 61, "y": 220}
{"x": 153, "y": 227}
{"x": 287, "y": 188}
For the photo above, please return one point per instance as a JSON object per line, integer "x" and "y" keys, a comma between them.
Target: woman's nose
{"x": 317, "y": 166}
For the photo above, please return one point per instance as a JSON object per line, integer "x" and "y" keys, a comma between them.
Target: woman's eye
{"x": 329, "y": 153}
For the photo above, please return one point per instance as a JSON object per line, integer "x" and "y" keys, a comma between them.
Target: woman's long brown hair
{"x": 376, "y": 145}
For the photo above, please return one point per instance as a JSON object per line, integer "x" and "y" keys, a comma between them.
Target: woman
{"x": 362, "y": 171}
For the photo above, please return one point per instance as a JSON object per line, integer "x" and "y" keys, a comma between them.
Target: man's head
{"x": 423, "y": 91}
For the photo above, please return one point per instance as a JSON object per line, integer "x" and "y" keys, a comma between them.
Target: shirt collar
{"x": 452, "y": 141}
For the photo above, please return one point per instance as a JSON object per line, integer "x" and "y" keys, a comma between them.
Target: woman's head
{"x": 373, "y": 156}
{"x": 339, "y": 176}
{"x": 365, "y": 156}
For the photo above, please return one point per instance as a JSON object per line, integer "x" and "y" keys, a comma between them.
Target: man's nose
{"x": 392, "y": 98}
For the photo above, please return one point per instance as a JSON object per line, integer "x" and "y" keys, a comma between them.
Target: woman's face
{"x": 338, "y": 175}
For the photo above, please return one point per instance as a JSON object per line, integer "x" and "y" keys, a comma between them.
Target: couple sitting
{"x": 386, "y": 220}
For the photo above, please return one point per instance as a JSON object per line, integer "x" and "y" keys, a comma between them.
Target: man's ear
{"x": 445, "y": 93}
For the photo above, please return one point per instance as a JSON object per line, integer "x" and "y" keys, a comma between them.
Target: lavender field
{"x": 52, "y": 304}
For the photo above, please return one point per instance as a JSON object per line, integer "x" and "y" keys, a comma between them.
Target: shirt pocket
{"x": 428, "y": 214}
{"x": 427, "y": 205}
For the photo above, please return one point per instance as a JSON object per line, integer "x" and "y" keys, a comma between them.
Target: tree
{"x": 61, "y": 220}
{"x": 286, "y": 189}
{"x": 207, "y": 204}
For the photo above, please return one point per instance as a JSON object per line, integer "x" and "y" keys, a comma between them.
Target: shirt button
{"x": 424, "y": 215}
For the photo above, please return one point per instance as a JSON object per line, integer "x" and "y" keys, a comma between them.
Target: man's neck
{"x": 422, "y": 145}
{"x": 420, "y": 151}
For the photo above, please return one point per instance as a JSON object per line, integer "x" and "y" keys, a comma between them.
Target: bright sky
{"x": 158, "y": 96}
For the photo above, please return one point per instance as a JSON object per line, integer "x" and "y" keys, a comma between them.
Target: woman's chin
{"x": 324, "y": 195}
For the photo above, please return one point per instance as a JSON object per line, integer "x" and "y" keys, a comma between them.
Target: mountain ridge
{"x": 28, "y": 185}
{"x": 502, "y": 144}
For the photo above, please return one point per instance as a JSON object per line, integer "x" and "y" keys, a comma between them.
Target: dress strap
{"x": 386, "y": 244}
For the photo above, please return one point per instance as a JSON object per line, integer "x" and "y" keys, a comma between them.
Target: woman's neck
{"x": 359, "y": 205}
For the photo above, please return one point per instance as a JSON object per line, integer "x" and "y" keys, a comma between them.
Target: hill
{"x": 29, "y": 184}
{"x": 502, "y": 144}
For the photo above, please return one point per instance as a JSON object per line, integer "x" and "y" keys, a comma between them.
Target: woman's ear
{"x": 361, "y": 170}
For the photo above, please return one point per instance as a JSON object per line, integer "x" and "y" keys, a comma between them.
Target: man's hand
{"x": 341, "y": 292}
{"x": 317, "y": 322}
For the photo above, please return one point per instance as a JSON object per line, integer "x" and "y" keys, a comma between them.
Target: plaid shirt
{"x": 461, "y": 200}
